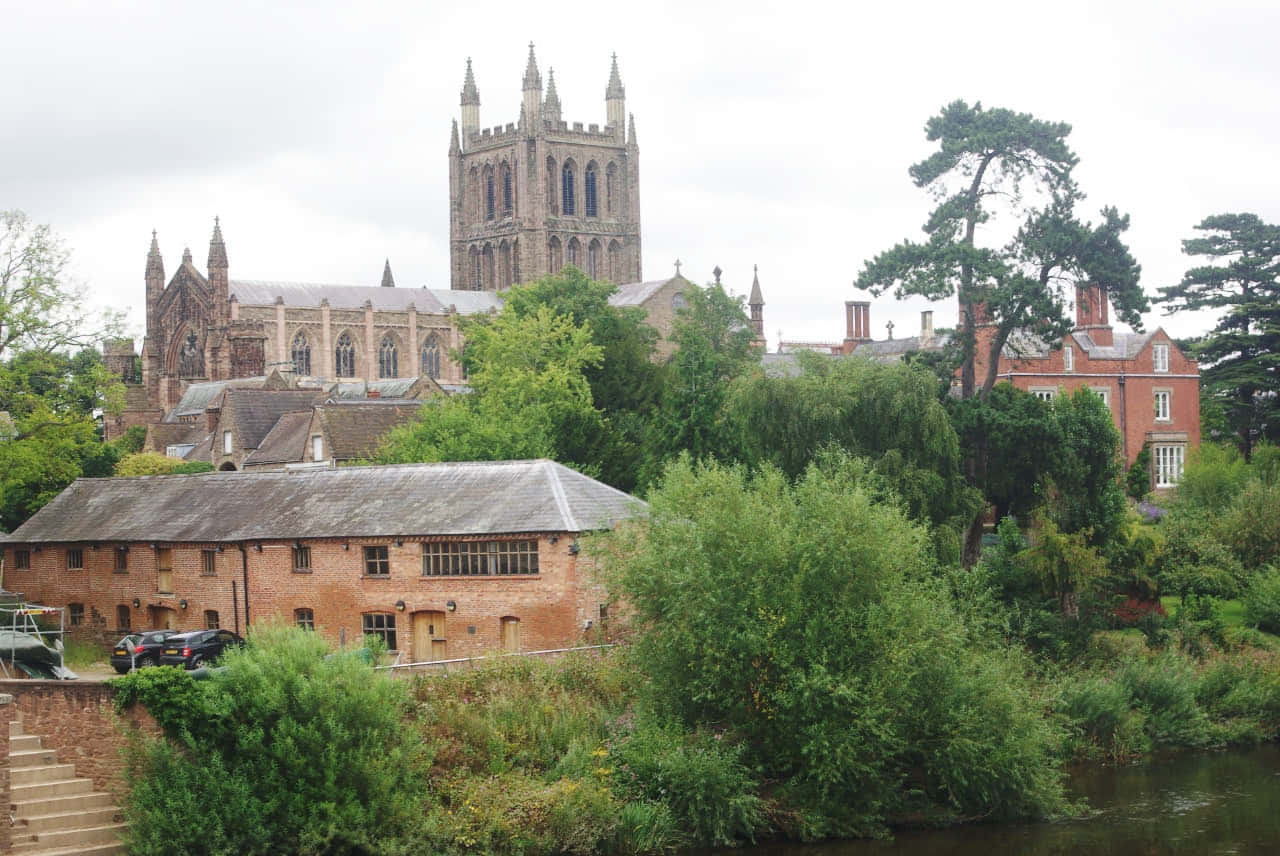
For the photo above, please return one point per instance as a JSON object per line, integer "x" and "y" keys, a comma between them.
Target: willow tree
{"x": 1242, "y": 352}
{"x": 1006, "y": 173}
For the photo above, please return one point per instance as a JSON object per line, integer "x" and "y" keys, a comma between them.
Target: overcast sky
{"x": 775, "y": 134}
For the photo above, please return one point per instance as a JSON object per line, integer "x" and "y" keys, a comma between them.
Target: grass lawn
{"x": 1232, "y": 611}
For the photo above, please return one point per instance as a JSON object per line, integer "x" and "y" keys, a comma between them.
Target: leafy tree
{"x": 1242, "y": 352}
{"x": 40, "y": 309}
{"x": 531, "y": 399}
{"x": 626, "y": 383}
{"x": 1088, "y": 496}
{"x": 807, "y": 619}
{"x": 989, "y": 155}
{"x": 156, "y": 464}
{"x": 713, "y": 347}
{"x": 888, "y": 414}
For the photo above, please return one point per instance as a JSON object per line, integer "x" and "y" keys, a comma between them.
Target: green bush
{"x": 284, "y": 750}
{"x": 1262, "y": 600}
{"x": 1101, "y": 710}
{"x": 700, "y": 777}
{"x": 811, "y": 620}
{"x": 1138, "y": 479}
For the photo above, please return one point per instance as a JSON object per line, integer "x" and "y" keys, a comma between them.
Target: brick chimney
{"x": 857, "y": 314}
{"x": 1091, "y": 315}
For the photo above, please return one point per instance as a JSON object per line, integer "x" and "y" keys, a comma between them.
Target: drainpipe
{"x": 1124, "y": 434}
{"x": 244, "y": 573}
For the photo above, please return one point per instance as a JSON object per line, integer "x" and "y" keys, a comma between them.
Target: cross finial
{"x": 888, "y": 325}
{"x": 677, "y": 267}
{"x": 716, "y": 273}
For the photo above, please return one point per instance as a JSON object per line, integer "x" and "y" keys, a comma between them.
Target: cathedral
{"x": 525, "y": 199}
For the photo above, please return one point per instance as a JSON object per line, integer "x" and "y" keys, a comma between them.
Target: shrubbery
{"x": 1262, "y": 600}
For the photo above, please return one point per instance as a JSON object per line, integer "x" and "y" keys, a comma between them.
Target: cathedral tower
{"x": 530, "y": 197}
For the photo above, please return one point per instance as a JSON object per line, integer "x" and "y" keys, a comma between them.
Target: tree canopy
{"x": 1240, "y": 356}
{"x": 1008, "y": 173}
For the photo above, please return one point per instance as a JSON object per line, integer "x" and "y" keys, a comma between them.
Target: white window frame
{"x": 1165, "y": 397}
{"x": 1168, "y": 462}
{"x": 1160, "y": 357}
{"x": 1068, "y": 358}
{"x": 1103, "y": 392}
{"x": 317, "y": 447}
{"x": 1044, "y": 393}
{"x": 226, "y": 442}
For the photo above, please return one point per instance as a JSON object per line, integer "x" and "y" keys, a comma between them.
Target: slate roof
{"x": 354, "y": 429}
{"x": 479, "y": 498}
{"x": 359, "y": 390}
{"x": 198, "y": 396}
{"x": 636, "y": 293}
{"x": 468, "y": 302}
{"x": 1125, "y": 346}
{"x": 258, "y": 292}
{"x": 256, "y": 411}
{"x": 285, "y": 442}
{"x": 163, "y": 434}
{"x": 892, "y": 350}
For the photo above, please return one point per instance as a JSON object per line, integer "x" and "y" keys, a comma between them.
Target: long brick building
{"x": 441, "y": 560}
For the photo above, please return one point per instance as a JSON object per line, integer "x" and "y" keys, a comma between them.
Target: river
{"x": 1190, "y": 803}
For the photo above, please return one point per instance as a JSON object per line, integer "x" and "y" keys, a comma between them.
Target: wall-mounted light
{"x": 346, "y": 546}
{"x": 37, "y": 548}
{"x": 399, "y": 542}
{"x": 153, "y": 545}
{"x": 124, "y": 548}
{"x": 399, "y": 606}
{"x": 297, "y": 545}
{"x": 573, "y": 549}
{"x": 182, "y": 603}
{"x": 136, "y": 603}
{"x": 451, "y": 606}
{"x": 258, "y": 546}
{"x": 220, "y": 548}
{"x": 93, "y": 546}
{"x": 553, "y": 539}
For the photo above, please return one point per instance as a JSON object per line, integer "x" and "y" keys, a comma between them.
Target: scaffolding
{"x": 28, "y": 647}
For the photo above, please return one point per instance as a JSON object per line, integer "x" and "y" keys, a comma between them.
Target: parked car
{"x": 197, "y": 647}
{"x": 139, "y": 649}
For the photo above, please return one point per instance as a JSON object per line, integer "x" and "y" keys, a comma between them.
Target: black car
{"x": 197, "y": 647}
{"x": 139, "y": 649}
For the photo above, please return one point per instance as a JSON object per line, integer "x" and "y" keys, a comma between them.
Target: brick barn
{"x": 441, "y": 560}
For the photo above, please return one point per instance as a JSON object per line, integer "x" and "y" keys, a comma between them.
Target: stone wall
{"x": 6, "y": 831}
{"x": 78, "y": 721}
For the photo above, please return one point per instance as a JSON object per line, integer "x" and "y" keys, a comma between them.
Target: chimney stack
{"x": 1091, "y": 314}
{"x": 926, "y": 326}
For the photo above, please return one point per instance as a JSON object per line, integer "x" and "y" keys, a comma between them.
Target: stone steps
{"x": 55, "y": 812}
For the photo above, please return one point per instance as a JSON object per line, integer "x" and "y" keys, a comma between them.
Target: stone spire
{"x": 470, "y": 95}
{"x": 155, "y": 264}
{"x": 551, "y": 107}
{"x": 631, "y": 132}
{"x": 614, "y": 89}
{"x": 532, "y": 79}
{"x": 186, "y": 255}
{"x": 454, "y": 146}
{"x": 217, "y": 249}
{"x": 388, "y": 281}
{"x": 615, "y": 102}
{"x": 756, "y": 304}
{"x": 155, "y": 282}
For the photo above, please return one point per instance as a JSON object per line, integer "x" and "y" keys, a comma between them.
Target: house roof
{"x": 1125, "y": 346}
{"x": 256, "y": 411}
{"x": 198, "y": 396}
{"x": 479, "y": 498}
{"x": 400, "y": 387}
{"x": 163, "y": 434}
{"x": 285, "y": 442}
{"x": 636, "y": 293}
{"x": 431, "y": 301}
{"x": 354, "y": 429}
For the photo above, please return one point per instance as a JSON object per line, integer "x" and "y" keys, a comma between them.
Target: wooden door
{"x": 163, "y": 618}
{"x": 164, "y": 571}
{"x": 510, "y": 634}
{"x": 428, "y": 637}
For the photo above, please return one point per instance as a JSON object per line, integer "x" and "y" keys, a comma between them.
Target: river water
{"x": 1190, "y": 803}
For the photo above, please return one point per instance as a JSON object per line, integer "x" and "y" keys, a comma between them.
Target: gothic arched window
{"x": 301, "y": 354}
{"x": 589, "y": 191}
{"x": 554, "y": 254}
{"x": 610, "y": 187}
{"x": 488, "y": 194}
{"x": 431, "y": 357}
{"x": 551, "y": 185}
{"x": 615, "y": 262}
{"x": 594, "y": 269}
{"x": 344, "y": 357}
{"x": 504, "y": 265}
{"x": 508, "y": 205}
{"x": 387, "y": 363}
{"x": 567, "y": 189}
{"x": 476, "y": 281}
{"x": 573, "y": 249}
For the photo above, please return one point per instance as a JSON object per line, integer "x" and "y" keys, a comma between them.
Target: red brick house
{"x": 441, "y": 560}
{"x": 1150, "y": 386}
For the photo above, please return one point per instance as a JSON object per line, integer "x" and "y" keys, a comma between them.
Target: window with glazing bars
{"x": 479, "y": 558}
{"x": 376, "y": 561}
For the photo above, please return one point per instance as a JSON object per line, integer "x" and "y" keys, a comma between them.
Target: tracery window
{"x": 488, "y": 196}
{"x": 431, "y": 357}
{"x": 567, "y": 189}
{"x": 610, "y": 187}
{"x": 573, "y": 252}
{"x": 589, "y": 190}
{"x": 344, "y": 357}
{"x": 507, "y": 202}
{"x": 387, "y": 358}
{"x": 301, "y": 354}
{"x": 551, "y": 185}
{"x": 593, "y": 260}
{"x": 477, "y": 280}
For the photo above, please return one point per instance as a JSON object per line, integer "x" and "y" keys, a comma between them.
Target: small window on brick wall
{"x": 22, "y": 560}
{"x": 305, "y": 618}
{"x": 211, "y": 619}
{"x": 75, "y": 559}
{"x": 208, "y": 563}
{"x": 302, "y": 560}
{"x": 382, "y": 625}
{"x": 75, "y": 614}
{"x": 1162, "y": 405}
{"x": 122, "y": 560}
{"x": 376, "y": 562}
{"x": 479, "y": 558}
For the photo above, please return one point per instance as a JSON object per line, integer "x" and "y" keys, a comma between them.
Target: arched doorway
{"x": 228, "y": 467}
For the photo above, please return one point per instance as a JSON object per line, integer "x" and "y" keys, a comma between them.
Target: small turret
{"x": 388, "y": 281}
{"x": 551, "y": 107}
{"x": 631, "y": 133}
{"x": 455, "y": 147}
{"x": 615, "y": 98}
{"x": 470, "y": 101}
{"x": 531, "y": 112}
{"x": 217, "y": 249}
{"x": 154, "y": 280}
{"x": 218, "y": 276}
{"x": 756, "y": 304}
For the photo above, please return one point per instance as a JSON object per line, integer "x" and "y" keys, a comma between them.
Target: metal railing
{"x": 458, "y": 661}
